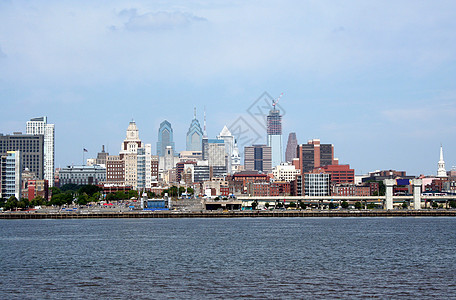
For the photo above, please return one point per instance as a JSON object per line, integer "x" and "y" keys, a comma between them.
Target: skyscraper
{"x": 10, "y": 171}
{"x": 129, "y": 154}
{"x": 274, "y": 129}
{"x": 258, "y": 158}
{"x": 441, "y": 172}
{"x": 31, "y": 150}
{"x": 313, "y": 155}
{"x": 228, "y": 138}
{"x": 292, "y": 144}
{"x": 165, "y": 137}
{"x": 39, "y": 126}
{"x": 194, "y": 135}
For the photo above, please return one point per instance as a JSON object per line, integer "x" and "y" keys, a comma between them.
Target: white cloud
{"x": 161, "y": 20}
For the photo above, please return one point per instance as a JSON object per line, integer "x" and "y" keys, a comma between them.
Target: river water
{"x": 228, "y": 258}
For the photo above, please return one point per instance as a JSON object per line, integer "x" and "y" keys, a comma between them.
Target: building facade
{"x": 292, "y": 144}
{"x": 39, "y": 126}
{"x": 194, "y": 136}
{"x": 31, "y": 148}
{"x": 11, "y": 174}
{"x": 258, "y": 158}
{"x": 313, "y": 155}
{"x": 229, "y": 143}
{"x": 82, "y": 175}
{"x": 274, "y": 130}
{"x": 317, "y": 184}
{"x": 165, "y": 137}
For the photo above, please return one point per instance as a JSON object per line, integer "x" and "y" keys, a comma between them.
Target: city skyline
{"x": 375, "y": 80}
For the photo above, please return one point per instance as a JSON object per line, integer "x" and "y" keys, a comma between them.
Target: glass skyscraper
{"x": 165, "y": 138}
{"x": 274, "y": 129}
{"x": 194, "y": 136}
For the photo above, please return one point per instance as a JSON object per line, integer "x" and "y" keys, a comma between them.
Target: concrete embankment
{"x": 229, "y": 214}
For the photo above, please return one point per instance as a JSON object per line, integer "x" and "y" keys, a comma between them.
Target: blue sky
{"x": 374, "y": 78}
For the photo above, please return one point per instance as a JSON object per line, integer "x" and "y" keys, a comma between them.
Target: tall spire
{"x": 194, "y": 113}
{"x": 441, "y": 172}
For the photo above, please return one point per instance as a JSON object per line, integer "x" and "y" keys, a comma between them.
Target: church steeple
{"x": 441, "y": 172}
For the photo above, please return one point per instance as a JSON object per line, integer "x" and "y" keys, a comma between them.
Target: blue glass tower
{"x": 165, "y": 137}
{"x": 194, "y": 136}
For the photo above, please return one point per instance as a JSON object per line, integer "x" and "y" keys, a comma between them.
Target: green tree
{"x": 83, "y": 199}
{"x": 358, "y": 205}
{"x": 89, "y": 189}
{"x": 11, "y": 203}
{"x": 70, "y": 187}
{"x": 38, "y": 200}
{"x": 279, "y": 204}
{"x": 292, "y": 204}
{"x": 132, "y": 194}
{"x": 217, "y": 198}
{"x": 190, "y": 191}
{"x": 302, "y": 205}
{"x": 55, "y": 190}
{"x": 404, "y": 205}
{"x": 120, "y": 195}
{"x": 371, "y": 206}
{"x": 266, "y": 205}
{"x": 435, "y": 205}
{"x": 181, "y": 190}
{"x": 344, "y": 204}
{"x": 23, "y": 203}
{"x": 453, "y": 204}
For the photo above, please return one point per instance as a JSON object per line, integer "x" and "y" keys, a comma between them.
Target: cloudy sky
{"x": 375, "y": 78}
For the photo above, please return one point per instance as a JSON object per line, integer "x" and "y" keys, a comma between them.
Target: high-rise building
{"x": 441, "y": 171}
{"x": 292, "y": 144}
{"x": 11, "y": 175}
{"x": 274, "y": 129}
{"x": 101, "y": 157}
{"x": 115, "y": 170}
{"x": 228, "y": 139}
{"x": 165, "y": 138}
{"x": 31, "y": 148}
{"x": 129, "y": 154}
{"x": 194, "y": 135}
{"x": 313, "y": 155}
{"x": 144, "y": 167}
{"x": 39, "y": 126}
{"x": 258, "y": 158}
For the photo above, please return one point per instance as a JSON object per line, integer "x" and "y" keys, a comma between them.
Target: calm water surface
{"x": 228, "y": 258}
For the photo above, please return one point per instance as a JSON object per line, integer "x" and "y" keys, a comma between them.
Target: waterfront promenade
{"x": 232, "y": 214}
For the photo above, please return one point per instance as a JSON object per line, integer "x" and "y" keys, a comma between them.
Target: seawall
{"x": 229, "y": 214}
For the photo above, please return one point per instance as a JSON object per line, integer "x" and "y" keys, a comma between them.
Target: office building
{"x": 292, "y": 144}
{"x": 274, "y": 130}
{"x": 229, "y": 142}
{"x": 31, "y": 148}
{"x": 129, "y": 154}
{"x": 82, "y": 175}
{"x": 317, "y": 184}
{"x": 258, "y": 158}
{"x": 115, "y": 170}
{"x": 194, "y": 135}
{"x": 165, "y": 138}
{"x": 11, "y": 174}
{"x": 39, "y": 126}
{"x": 285, "y": 172}
{"x": 313, "y": 155}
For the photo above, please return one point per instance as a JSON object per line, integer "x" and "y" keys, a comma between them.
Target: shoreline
{"x": 227, "y": 214}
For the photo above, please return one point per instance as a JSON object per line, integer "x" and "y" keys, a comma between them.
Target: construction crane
{"x": 274, "y": 102}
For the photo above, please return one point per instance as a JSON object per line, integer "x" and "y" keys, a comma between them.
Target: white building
{"x": 285, "y": 172}
{"x": 82, "y": 175}
{"x": 40, "y": 126}
{"x": 229, "y": 141}
{"x": 11, "y": 175}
